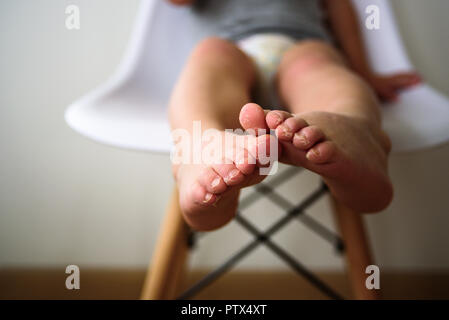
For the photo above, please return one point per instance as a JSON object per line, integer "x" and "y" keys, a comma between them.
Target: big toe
{"x": 252, "y": 117}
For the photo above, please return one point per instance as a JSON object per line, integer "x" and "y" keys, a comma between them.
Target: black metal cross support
{"x": 292, "y": 262}
{"x": 259, "y": 237}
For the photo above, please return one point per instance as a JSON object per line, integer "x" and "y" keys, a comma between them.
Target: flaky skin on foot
{"x": 348, "y": 152}
{"x": 345, "y": 151}
{"x": 209, "y": 191}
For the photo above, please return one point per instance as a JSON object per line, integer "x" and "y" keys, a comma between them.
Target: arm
{"x": 344, "y": 24}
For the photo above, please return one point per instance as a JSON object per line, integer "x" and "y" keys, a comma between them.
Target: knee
{"x": 309, "y": 55}
{"x": 222, "y": 56}
{"x": 214, "y": 48}
{"x": 213, "y": 45}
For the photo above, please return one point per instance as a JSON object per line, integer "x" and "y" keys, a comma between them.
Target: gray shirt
{"x": 236, "y": 19}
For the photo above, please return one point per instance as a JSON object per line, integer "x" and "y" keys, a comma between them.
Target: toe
{"x": 307, "y": 137}
{"x": 212, "y": 181}
{"x": 287, "y": 129}
{"x": 252, "y": 117}
{"x": 244, "y": 161}
{"x": 201, "y": 196}
{"x": 275, "y": 118}
{"x": 323, "y": 152}
{"x": 229, "y": 173}
{"x": 268, "y": 150}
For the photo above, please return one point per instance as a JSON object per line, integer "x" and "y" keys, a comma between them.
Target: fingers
{"x": 405, "y": 80}
{"x": 388, "y": 88}
{"x": 181, "y": 2}
{"x": 387, "y": 93}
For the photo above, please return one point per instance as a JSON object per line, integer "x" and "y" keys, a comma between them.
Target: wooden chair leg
{"x": 165, "y": 272}
{"x": 358, "y": 255}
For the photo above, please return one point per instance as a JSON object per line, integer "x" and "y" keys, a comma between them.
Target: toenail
{"x": 215, "y": 182}
{"x": 240, "y": 158}
{"x": 216, "y": 201}
{"x": 207, "y": 197}
{"x": 277, "y": 119}
{"x": 234, "y": 173}
{"x": 290, "y": 126}
{"x": 316, "y": 153}
{"x": 286, "y": 131}
{"x": 302, "y": 139}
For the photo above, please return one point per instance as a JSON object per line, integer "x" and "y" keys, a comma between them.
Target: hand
{"x": 181, "y": 2}
{"x": 388, "y": 87}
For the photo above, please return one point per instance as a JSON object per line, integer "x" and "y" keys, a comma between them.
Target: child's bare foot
{"x": 209, "y": 190}
{"x": 350, "y": 153}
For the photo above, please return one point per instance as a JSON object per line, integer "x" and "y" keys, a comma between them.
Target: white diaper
{"x": 266, "y": 50}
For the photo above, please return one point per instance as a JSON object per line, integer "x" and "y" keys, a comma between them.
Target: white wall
{"x": 67, "y": 200}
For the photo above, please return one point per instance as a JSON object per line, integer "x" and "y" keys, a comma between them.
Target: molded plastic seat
{"x": 129, "y": 110}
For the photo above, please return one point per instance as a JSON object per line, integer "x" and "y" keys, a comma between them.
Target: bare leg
{"x": 334, "y": 126}
{"x": 213, "y": 87}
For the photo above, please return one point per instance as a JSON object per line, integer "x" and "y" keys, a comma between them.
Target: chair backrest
{"x": 384, "y": 46}
{"x": 164, "y": 36}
